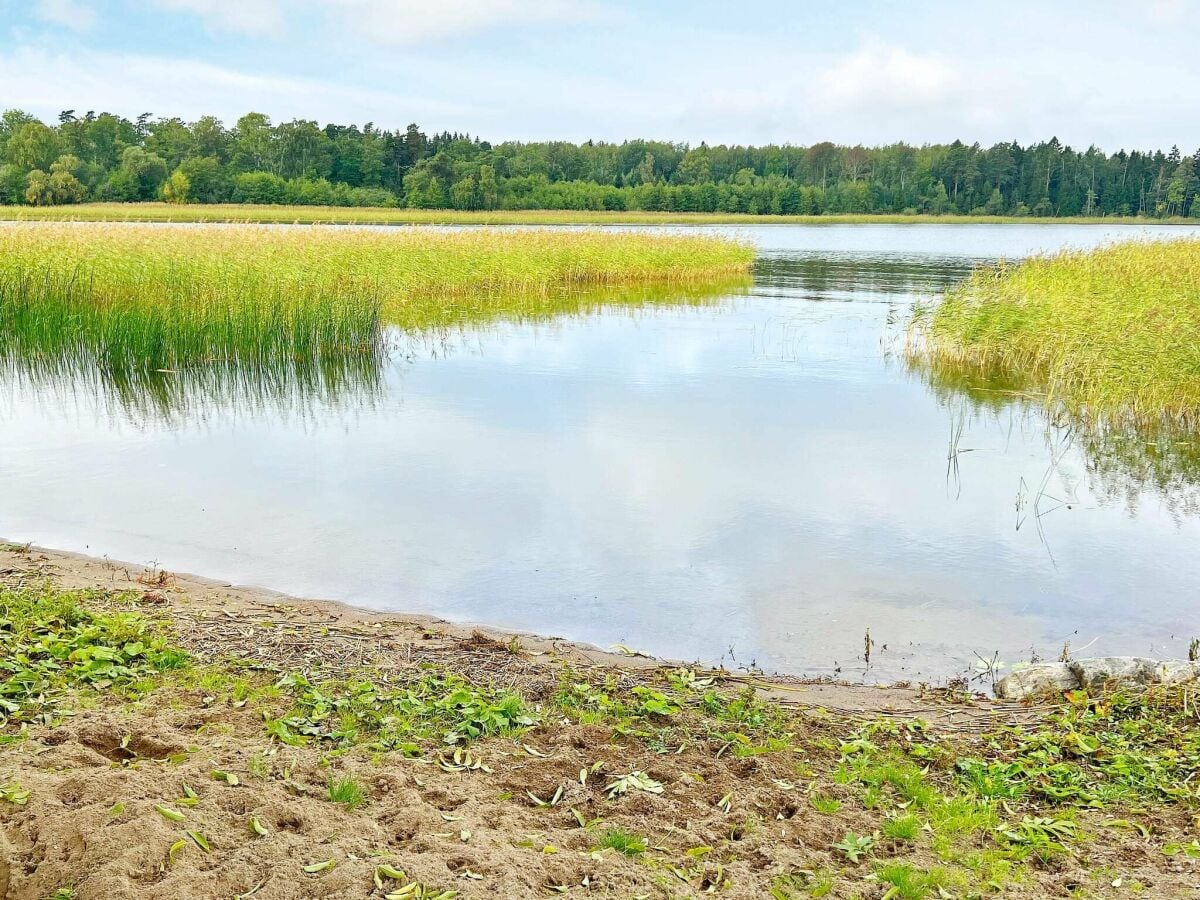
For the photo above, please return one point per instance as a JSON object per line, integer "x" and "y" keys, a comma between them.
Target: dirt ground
{"x": 90, "y": 824}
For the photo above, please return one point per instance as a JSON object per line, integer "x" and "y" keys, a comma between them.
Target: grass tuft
{"x": 347, "y": 791}
{"x": 622, "y": 841}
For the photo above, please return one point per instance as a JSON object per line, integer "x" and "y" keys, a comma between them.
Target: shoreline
{"x": 347, "y": 215}
{"x": 166, "y": 735}
{"x": 72, "y": 570}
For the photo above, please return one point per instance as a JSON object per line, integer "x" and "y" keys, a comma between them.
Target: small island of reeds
{"x": 164, "y": 297}
{"x": 1109, "y": 335}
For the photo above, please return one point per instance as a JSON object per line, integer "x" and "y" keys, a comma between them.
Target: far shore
{"x": 340, "y": 215}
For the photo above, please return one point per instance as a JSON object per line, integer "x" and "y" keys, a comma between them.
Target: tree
{"x": 208, "y": 182}
{"x": 696, "y": 167}
{"x": 489, "y": 195}
{"x": 37, "y": 188}
{"x": 12, "y": 184}
{"x": 175, "y": 189}
{"x": 65, "y": 187}
{"x": 32, "y": 146}
{"x": 144, "y": 171}
{"x": 1182, "y": 187}
{"x": 252, "y": 143}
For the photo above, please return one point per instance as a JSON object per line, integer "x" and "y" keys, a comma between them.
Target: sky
{"x": 1114, "y": 73}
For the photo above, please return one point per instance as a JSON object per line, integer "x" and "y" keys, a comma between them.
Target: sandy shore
{"x": 207, "y": 603}
{"x": 186, "y": 791}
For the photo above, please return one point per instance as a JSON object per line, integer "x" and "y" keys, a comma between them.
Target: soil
{"x": 90, "y": 823}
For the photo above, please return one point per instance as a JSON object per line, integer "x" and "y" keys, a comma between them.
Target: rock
{"x": 1095, "y": 673}
{"x": 1175, "y": 671}
{"x": 1037, "y": 680}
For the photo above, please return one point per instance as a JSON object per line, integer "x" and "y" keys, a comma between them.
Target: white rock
{"x": 1175, "y": 671}
{"x": 1037, "y": 680}
{"x": 1116, "y": 670}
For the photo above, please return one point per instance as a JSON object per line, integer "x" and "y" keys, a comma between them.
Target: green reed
{"x": 158, "y": 297}
{"x": 1108, "y": 335}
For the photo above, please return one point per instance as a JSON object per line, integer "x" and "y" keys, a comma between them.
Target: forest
{"x": 106, "y": 157}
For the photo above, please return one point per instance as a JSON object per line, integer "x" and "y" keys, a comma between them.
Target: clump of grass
{"x": 901, "y": 829}
{"x": 1109, "y": 334}
{"x": 622, "y": 841}
{"x": 347, "y": 791}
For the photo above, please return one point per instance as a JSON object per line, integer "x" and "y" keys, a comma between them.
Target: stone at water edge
{"x": 1176, "y": 671}
{"x": 1037, "y": 680}
{"x": 1044, "y": 679}
{"x": 1126, "y": 670}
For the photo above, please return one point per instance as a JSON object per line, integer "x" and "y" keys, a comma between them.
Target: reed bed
{"x": 346, "y": 215}
{"x": 1110, "y": 335}
{"x": 166, "y": 297}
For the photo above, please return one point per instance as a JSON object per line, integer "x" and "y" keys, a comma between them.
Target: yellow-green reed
{"x": 1111, "y": 335}
{"x": 160, "y": 296}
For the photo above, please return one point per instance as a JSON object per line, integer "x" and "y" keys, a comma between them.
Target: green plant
{"x": 54, "y": 643}
{"x": 902, "y": 829}
{"x": 826, "y": 805}
{"x": 347, "y": 791}
{"x": 855, "y": 846}
{"x": 622, "y": 841}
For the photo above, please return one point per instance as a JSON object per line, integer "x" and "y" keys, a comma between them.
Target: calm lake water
{"x": 755, "y": 480}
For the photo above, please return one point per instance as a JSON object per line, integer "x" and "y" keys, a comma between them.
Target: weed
{"x": 826, "y": 805}
{"x": 622, "y": 841}
{"x": 855, "y": 846}
{"x": 347, "y": 791}
{"x": 901, "y": 829}
{"x": 53, "y": 643}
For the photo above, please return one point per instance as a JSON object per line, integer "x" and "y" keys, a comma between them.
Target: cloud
{"x": 43, "y": 81}
{"x": 415, "y": 21}
{"x": 382, "y": 21}
{"x": 70, "y": 13}
{"x": 878, "y": 74}
{"x": 252, "y": 17}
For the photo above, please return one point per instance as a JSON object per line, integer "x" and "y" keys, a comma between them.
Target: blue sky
{"x": 1110, "y": 72}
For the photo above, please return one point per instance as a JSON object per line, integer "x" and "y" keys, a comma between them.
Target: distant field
{"x": 338, "y": 215}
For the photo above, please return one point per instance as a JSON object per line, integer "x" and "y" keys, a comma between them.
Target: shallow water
{"x": 755, "y": 480}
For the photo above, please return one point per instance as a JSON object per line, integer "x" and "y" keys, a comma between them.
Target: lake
{"x": 756, "y": 480}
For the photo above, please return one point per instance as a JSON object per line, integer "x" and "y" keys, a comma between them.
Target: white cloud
{"x": 253, "y": 17}
{"x": 882, "y": 75}
{"x": 382, "y": 21}
{"x": 414, "y": 21}
{"x": 44, "y": 81}
{"x": 71, "y": 13}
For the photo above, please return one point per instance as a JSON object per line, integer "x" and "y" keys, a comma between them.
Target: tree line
{"x": 109, "y": 157}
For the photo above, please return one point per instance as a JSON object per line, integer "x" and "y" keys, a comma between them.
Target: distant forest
{"x": 107, "y": 157}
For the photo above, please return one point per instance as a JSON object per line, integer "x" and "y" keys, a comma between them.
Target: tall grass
{"x": 165, "y": 297}
{"x": 1110, "y": 335}
{"x": 234, "y": 212}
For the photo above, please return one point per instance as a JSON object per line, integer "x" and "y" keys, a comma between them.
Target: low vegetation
{"x": 251, "y": 213}
{"x": 498, "y": 775}
{"x": 167, "y": 298}
{"x": 1109, "y": 335}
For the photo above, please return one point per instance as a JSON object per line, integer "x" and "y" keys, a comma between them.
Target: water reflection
{"x": 1125, "y": 466}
